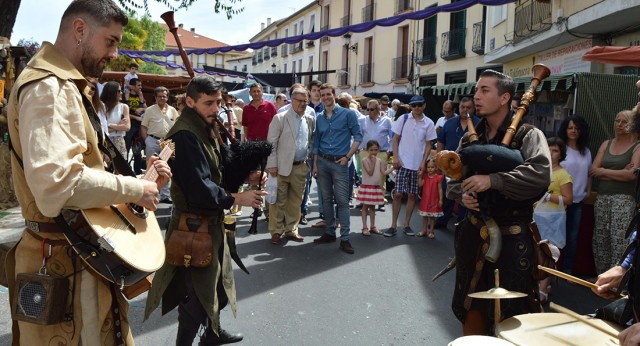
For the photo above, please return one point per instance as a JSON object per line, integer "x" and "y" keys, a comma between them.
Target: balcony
{"x": 400, "y": 67}
{"x": 274, "y": 51}
{"x": 426, "y": 50}
{"x": 531, "y": 18}
{"x": 259, "y": 56}
{"x": 402, "y": 6}
{"x": 295, "y": 47}
{"x": 368, "y": 13}
{"x": 284, "y": 52}
{"x": 310, "y": 43}
{"x": 453, "y": 44}
{"x": 345, "y": 21}
{"x": 366, "y": 73}
{"x": 324, "y": 39}
{"x": 266, "y": 54}
{"x": 343, "y": 79}
{"x": 254, "y": 60}
{"x": 478, "y": 38}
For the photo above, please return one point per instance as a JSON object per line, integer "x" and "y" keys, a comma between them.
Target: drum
{"x": 551, "y": 329}
{"x": 479, "y": 340}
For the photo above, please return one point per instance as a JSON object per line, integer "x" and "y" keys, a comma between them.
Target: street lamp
{"x": 273, "y": 68}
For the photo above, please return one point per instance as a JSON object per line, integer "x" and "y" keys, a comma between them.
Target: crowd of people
{"x": 62, "y": 154}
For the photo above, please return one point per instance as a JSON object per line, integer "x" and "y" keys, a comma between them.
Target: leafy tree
{"x": 29, "y": 45}
{"x": 140, "y": 34}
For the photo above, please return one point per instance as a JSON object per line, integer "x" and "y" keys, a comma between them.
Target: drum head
{"x": 479, "y": 340}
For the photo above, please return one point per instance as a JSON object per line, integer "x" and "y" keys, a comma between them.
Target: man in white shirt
{"x": 412, "y": 140}
{"x": 158, "y": 120}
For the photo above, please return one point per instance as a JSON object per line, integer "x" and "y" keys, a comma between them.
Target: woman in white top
{"x": 574, "y": 131}
{"x": 116, "y": 114}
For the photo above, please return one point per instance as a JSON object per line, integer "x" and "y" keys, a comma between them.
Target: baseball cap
{"x": 416, "y": 99}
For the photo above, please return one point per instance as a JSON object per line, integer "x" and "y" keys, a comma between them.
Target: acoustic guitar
{"x": 122, "y": 243}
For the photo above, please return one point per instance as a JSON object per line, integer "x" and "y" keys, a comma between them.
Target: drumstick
{"x": 568, "y": 277}
{"x": 581, "y": 318}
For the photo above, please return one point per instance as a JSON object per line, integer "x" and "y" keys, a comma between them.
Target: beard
{"x": 90, "y": 63}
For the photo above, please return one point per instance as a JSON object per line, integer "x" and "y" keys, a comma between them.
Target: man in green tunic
{"x": 200, "y": 293}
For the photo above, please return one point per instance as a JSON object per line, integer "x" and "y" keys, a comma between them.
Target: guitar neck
{"x": 152, "y": 174}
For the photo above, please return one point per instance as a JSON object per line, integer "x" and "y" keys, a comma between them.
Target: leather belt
{"x": 295, "y": 163}
{"x": 331, "y": 158}
{"x": 156, "y": 137}
{"x": 44, "y": 227}
{"x": 52, "y": 242}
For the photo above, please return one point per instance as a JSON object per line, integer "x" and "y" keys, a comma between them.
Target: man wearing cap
{"x": 412, "y": 140}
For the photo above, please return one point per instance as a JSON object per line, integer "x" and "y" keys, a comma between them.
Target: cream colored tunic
{"x": 63, "y": 168}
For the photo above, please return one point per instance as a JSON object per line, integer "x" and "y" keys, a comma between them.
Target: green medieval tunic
{"x": 168, "y": 284}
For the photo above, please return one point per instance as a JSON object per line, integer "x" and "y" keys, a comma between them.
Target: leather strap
{"x": 52, "y": 242}
{"x": 45, "y": 227}
{"x": 117, "y": 322}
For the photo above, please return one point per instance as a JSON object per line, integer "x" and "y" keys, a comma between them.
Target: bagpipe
{"x": 491, "y": 158}
{"x": 239, "y": 159}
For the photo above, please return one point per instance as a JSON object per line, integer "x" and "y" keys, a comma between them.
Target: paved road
{"x": 306, "y": 294}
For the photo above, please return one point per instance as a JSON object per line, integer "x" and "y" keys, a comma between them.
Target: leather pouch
{"x": 190, "y": 245}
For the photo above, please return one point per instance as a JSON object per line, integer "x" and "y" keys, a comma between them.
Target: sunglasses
{"x": 372, "y": 109}
{"x": 414, "y": 105}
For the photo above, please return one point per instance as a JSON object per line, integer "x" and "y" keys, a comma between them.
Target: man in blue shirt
{"x": 332, "y": 151}
{"x": 449, "y": 139}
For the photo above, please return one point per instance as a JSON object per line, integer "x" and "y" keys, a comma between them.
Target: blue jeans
{"x": 574, "y": 216}
{"x": 333, "y": 182}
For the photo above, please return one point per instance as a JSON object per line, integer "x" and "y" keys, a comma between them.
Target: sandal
{"x": 374, "y": 230}
{"x": 422, "y": 234}
{"x": 365, "y": 231}
{"x": 431, "y": 235}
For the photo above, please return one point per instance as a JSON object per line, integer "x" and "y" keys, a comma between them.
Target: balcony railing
{"x": 311, "y": 43}
{"x": 324, "y": 38}
{"x": 368, "y": 13}
{"x": 531, "y": 17}
{"x": 426, "y": 53}
{"x": 453, "y": 44}
{"x": 259, "y": 56}
{"x": 345, "y": 21}
{"x": 274, "y": 51}
{"x": 295, "y": 47}
{"x": 401, "y": 67}
{"x": 402, "y": 5}
{"x": 366, "y": 73}
{"x": 478, "y": 38}
{"x": 284, "y": 51}
{"x": 343, "y": 79}
{"x": 266, "y": 53}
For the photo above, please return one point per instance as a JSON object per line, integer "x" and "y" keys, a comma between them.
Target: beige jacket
{"x": 282, "y": 136}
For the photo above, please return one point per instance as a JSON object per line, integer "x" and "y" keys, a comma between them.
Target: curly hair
{"x": 583, "y": 129}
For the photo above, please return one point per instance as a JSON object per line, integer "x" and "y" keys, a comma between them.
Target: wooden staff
{"x": 168, "y": 19}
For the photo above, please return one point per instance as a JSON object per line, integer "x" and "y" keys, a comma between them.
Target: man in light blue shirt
{"x": 332, "y": 151}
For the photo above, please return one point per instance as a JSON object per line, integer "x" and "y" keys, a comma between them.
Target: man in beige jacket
{"x": 291, "y": 134}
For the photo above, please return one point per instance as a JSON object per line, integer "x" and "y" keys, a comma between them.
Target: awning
{"x": 560, "y": 81}
{"x": 626, "y": 56}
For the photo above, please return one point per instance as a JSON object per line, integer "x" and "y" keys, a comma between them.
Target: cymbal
{"x": 497, "y": 293}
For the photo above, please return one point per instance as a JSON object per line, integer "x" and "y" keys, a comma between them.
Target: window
{"x": 171, "y": 59}
{"x": 498, "y": 14}
{"x": 312, "y": 27}
{"x": 285, "y": 68}
{"x": 202, "y": 60}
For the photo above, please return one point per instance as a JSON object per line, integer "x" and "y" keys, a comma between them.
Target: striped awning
{"x": 560, "y": 81}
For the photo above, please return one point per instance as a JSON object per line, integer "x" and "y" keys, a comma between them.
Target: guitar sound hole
{"x": 138, "y": 211}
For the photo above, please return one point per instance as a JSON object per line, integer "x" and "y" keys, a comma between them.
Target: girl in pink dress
{"x": 431, "y": 203}
{"x": 370, "y": 192}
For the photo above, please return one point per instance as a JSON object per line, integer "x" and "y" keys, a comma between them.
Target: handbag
{"x": 551, "y": 221}
{"x": 543, "y": 254}
{"x": 190, "y": 245}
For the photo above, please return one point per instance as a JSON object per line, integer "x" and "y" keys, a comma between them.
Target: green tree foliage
{"x": 228, "y": 7}
{"x": 140, "y": 34}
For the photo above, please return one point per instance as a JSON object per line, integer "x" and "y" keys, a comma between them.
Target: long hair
{"x": 583, "y": 128}
{"x": 109, "y": 95}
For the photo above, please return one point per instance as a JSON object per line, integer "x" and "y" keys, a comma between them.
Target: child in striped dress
{"x": 370, "y": 192}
